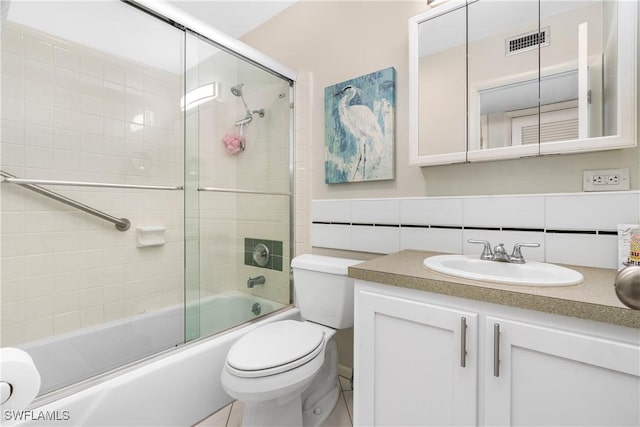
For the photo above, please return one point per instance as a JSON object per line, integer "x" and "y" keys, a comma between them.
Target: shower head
{"x": 237, "y": 89}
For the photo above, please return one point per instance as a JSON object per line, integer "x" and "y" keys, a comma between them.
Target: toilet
{"x": 286, "y": 372}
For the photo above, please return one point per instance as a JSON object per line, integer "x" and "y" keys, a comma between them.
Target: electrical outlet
{"x": 606, "y": 180}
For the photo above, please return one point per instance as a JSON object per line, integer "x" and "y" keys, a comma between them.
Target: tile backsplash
{"x": 578, "y": 228}
{"x": 275, "y": 253}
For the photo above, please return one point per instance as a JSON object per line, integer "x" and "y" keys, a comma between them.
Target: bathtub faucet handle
{"x": 259, "y": 280}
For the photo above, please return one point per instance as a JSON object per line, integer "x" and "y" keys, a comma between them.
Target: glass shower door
{"x": 238, "y": 141}
{"x": 91, "y": 112}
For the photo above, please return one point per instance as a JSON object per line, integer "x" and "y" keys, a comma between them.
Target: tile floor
{"x": 342, "y": 415}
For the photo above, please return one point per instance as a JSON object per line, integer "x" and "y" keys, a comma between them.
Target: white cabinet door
{"x": 553, "y": 377}
{"x": 411, "y": 368}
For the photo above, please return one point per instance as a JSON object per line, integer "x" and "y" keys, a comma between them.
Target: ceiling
{"x": 115, "y": 28}
{"x": 235, "y": 18}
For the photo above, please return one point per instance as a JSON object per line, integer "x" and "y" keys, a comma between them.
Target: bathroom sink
{"x": 531, "y": 273}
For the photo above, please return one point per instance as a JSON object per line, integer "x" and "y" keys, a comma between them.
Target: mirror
{"x": 494, "y": 80}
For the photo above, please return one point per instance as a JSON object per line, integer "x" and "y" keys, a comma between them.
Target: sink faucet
{"x": 500, "y": 254}
{"x": 258, "y": 280}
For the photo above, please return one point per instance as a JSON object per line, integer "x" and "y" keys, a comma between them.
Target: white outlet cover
{"x": 622, "y": 184}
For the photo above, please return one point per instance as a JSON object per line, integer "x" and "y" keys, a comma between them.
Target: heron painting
{"x": 359, "y": 128}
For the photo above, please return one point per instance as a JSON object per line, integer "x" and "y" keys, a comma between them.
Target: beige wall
{"x": 337, "y": 41}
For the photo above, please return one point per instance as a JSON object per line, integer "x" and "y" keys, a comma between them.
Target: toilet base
{"x": 273, "y": 414}
{"x": 321, "y": 411}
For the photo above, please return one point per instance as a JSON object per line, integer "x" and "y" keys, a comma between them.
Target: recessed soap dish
{"x": 152, "y": 235}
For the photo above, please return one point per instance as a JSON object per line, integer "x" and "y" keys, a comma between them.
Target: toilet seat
{"x": 275, "y": 348}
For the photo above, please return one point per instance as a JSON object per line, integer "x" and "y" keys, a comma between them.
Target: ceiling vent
{"x": 528, "y": 41}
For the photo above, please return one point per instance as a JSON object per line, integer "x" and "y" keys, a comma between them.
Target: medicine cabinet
{"x": 496, "y": 80}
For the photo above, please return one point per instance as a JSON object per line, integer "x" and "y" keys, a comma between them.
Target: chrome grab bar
{"x": 235, "y": 190}
{"x": 122, "y": 224}
{"x": 20, "y": 181}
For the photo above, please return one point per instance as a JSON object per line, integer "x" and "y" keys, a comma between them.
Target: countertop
{"x": 594, "y": 299}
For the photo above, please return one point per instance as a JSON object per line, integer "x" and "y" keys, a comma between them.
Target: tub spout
{"x": 259, "y": 280}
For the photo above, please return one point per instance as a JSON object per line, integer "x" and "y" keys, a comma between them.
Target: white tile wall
{"x": 434, "y": 211}
{"x": 375, "y": 211}
{"x": 431, "y": 239}
{"x": 382, "y": 240}
{"x": 507, "y": 212}
{"x": 583, "y": 249}
{"x": 589, "y": 212}
{"x": 65, "y": 111}
{"x": 592, "y": 211}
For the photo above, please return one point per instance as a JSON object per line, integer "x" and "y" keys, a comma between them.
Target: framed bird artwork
{"x": 360, "y": 128}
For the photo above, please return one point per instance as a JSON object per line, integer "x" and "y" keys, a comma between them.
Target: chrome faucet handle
{"x": 486, "y": 251}
{"x": 516, "y": 256}
{"x": 500, "y": 253}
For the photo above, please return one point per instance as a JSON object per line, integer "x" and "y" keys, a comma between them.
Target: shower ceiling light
{"x": 199, "y": 96}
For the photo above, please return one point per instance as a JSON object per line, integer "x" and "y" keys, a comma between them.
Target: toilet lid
{"x": 275, "y": 348}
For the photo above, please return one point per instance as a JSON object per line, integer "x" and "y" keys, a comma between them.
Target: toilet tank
{"x": 323, "y": 292}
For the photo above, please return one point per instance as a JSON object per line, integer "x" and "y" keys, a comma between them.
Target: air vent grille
{"x": 526, "y": 42}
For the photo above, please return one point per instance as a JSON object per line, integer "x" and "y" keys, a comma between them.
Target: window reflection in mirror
{"x": 508, "y": 79}
{"x": 442, "y": 84}
{"x": 503, "y": 75}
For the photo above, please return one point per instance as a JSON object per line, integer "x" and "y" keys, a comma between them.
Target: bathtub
{"x": 178, "y": 387}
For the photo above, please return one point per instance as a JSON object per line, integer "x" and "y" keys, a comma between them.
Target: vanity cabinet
{"x": 547, "y": 376}
{"x": 521, "y": 367}
{"x": 412, "y": 364}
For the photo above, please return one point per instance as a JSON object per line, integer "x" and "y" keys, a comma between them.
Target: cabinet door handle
{"x": 463, "y": 342}
{"x": 496, "y": 349}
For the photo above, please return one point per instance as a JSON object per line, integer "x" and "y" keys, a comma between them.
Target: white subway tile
{"x": 67, "y": 99}
{"x": 36, "y": 308}
{"x": 431, "y": 211}
{"x": 12, "y": 154}
{"x": 12, "y": 131}
{"x": 13, "y": 312}
{"x": 12, "y": 86}
{"x": 509, "y": 212}
{"x": 12, "y": 41}
{"x": 91, "y": 65}
{"x": 375, "y": 211}
{"x": 134, "y": 78}
{"x": 91, "y": 316}
{"x": 65, "y": 302}
{"x": 331, "y": 236}
{"x": 91, "y": 123}
{"x": 38, "y": 136}
{"x": 37, "y": 49}
{"x": 382, "y": 240}
{"x": 592, "y": 211}
{"x": 66, "y": 119}
{"x": 114, "y": 73}
{"x": 582, "y": 249}
{"x": 39, "y": 328}
{"x": 13, "y": 109}
{"x": 38, "y": 114}
{"x": 38, "y": 71}
{"x": 431, "y": 239}
{"x": 331, "y": 210}
{"x": 66, "y": 322}
{"x": 66, "y": 58}
{"x": 38, "y": 93}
